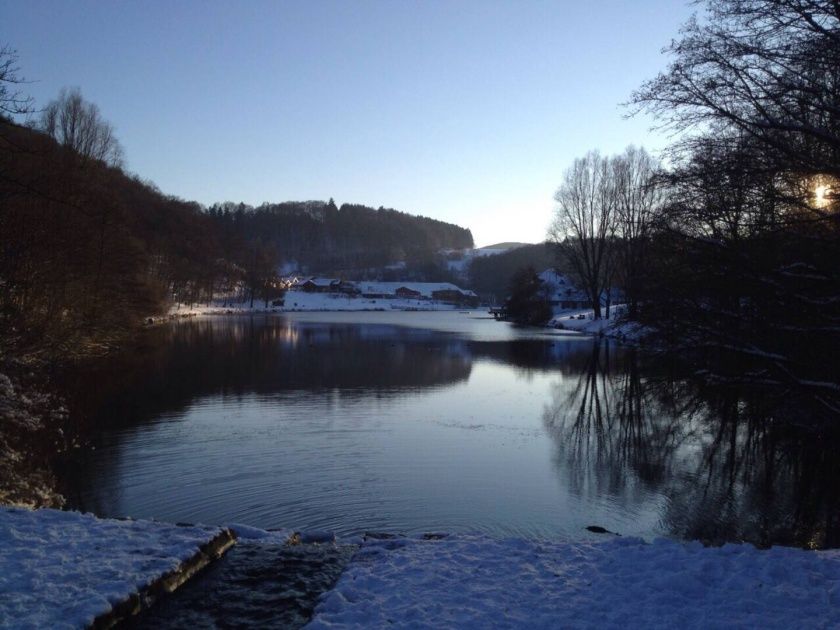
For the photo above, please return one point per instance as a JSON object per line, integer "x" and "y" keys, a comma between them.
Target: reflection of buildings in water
{"x": 285, "y": 334}
{"x": 728, "y": 469}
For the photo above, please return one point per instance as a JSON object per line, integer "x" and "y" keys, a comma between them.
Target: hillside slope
{"x": 320, "y": 237}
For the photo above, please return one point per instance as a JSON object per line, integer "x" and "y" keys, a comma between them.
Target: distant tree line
{"x": 320, "y": 237}
{"x": 86, "y": 250}
{"x": 731, "y": 252}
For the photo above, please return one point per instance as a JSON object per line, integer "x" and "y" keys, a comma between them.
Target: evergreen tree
{"x": 527, "y": 303}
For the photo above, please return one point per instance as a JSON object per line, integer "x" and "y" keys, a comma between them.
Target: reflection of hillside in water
{"x": 728, "y": 467}
{"x": 280, "y": 370}
{"x": 195, "y": 359}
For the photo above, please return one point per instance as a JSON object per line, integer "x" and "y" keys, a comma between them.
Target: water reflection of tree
{"x": 606, "y": 425}
{"x": 731, "y": 463}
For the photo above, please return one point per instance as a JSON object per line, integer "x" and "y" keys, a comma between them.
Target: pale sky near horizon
{"x": 465, "y": 111}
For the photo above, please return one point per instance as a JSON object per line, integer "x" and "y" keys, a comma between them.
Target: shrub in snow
{"x": 30, "y": 430}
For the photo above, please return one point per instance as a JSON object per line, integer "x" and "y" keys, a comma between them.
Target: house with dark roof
{"x": 318, "y": 285}
{"x": 408, "y": 293}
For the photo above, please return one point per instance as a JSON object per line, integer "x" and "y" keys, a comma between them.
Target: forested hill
{"x": 318, "y": 236}
{"x": 87, "y": 251}
{"x": 490, "y": 276}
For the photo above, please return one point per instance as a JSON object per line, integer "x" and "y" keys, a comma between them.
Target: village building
{"x": 408, "y": 293}
{"x": 318, "y": 285}
{"x": 455, "y": 296}
{"x": 347, "y": 288}
{"x": 438, "y": 291}
{"x": 561, "y": 293}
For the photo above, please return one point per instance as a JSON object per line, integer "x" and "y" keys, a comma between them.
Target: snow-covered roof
{"x": 320, "y": 282}
{"x": 423, "y": 288}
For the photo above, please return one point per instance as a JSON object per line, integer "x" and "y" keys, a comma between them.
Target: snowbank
{"x": 583, "y": 321}
{"x": 479, "y": 582}
{"x": 65, "y": 569}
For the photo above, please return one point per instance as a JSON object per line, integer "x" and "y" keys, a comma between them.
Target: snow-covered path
{"x": 65, "y": 569}
{"x": 476, "y": 582}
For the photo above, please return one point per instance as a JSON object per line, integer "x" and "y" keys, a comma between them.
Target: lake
{"x": 412, "y": 422}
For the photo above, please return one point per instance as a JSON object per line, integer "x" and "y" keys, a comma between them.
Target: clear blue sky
{"x": 464, "y": 111}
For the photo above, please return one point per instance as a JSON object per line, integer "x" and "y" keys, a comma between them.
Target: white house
{"x": 561, "y": 293}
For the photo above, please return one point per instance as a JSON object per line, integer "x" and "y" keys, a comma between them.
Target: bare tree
{"x": 769, "y": 69}
{"x": 638, "y": 197}
{"x": 746, "y": 267}
{"x": 584, "y": 222}
{"x": 78, "y": 124}
{"x": 12, "y": 100}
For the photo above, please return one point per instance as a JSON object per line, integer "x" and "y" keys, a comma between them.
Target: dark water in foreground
{"x": 418, "y": 422}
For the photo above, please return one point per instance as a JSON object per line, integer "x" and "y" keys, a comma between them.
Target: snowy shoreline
{"x": 301, "y": 301}
{"x": 571, "y": 321}
{"x": 615, "y": 327}
{"x": 65, "y": 569}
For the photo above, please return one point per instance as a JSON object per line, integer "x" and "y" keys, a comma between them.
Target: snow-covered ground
{"x": 462, "y": 264}
{"x": 303, "y": 301}
{"x": 583, "y": 321}
{"x": 64, "y": 569}
{"x": 476, "y": 582}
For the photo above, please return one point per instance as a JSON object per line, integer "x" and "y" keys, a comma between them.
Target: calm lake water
{"x": 419, "y": 422}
